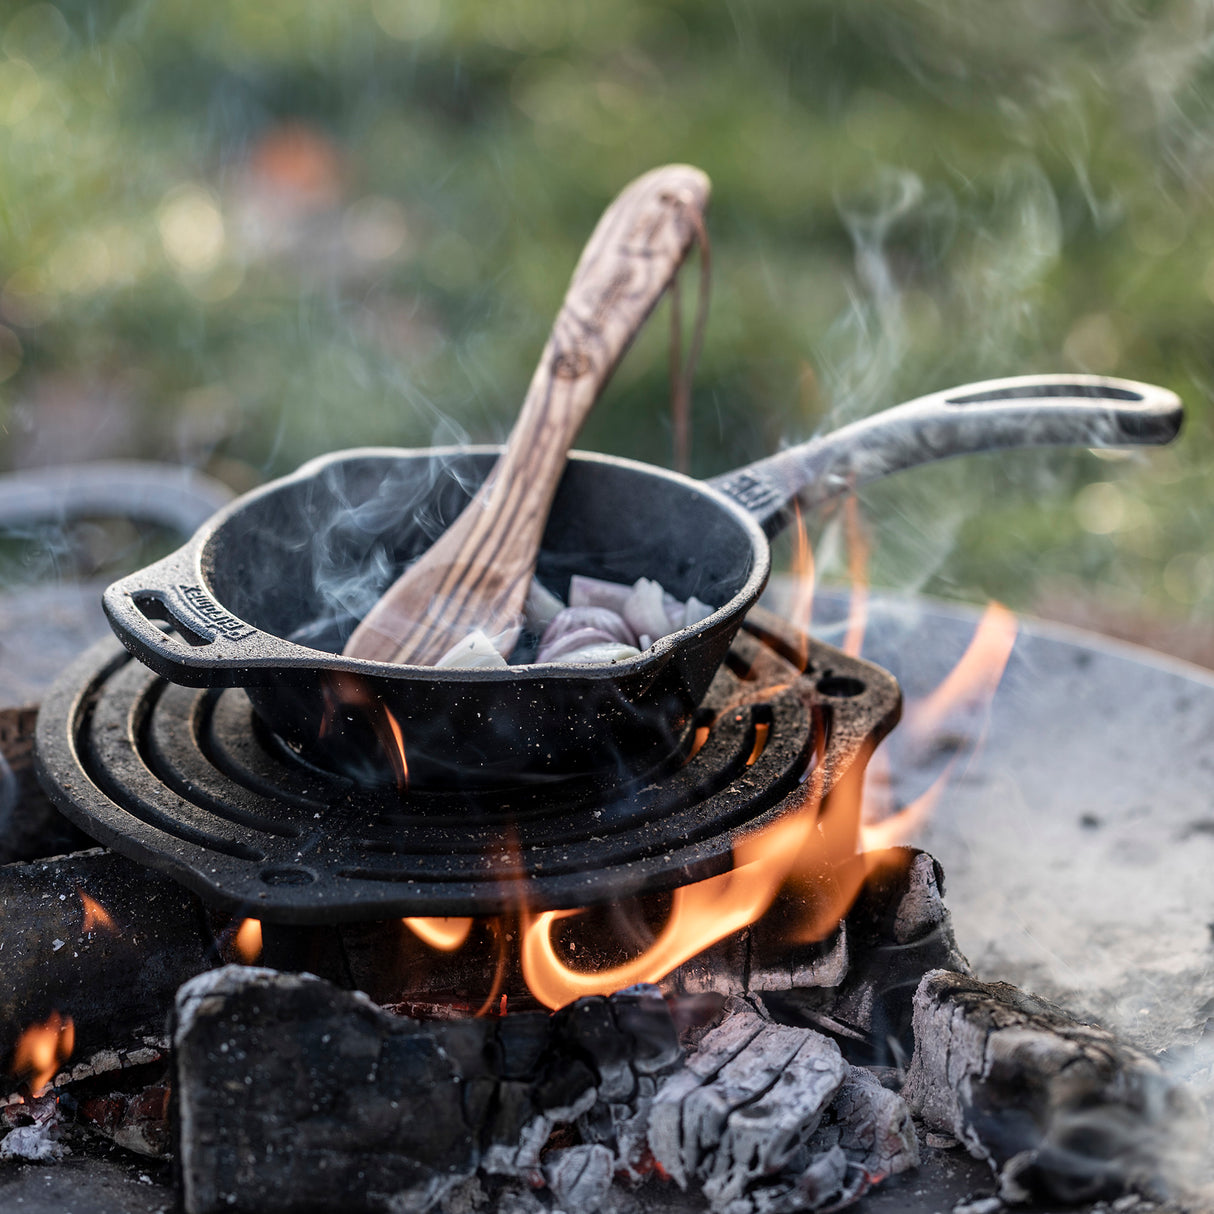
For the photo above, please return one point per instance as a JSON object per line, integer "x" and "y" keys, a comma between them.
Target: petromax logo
{"x": 220, "y": 620}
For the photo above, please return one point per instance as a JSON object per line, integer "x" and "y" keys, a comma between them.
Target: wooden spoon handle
{"x": 476, "y": 575}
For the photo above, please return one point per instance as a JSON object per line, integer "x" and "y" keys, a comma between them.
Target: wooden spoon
{"x": 477, "y": 574}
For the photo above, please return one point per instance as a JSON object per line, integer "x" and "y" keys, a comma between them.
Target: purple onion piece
{"x": 597, "y": 655}
{"x": 578, "y": 639}
{"x": 602, "y": 618}
{"x": 594, "y": 592}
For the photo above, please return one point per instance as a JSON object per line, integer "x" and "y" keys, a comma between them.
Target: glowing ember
{"x": 96, "y": 917}
{"x": 762, "y": 729}
{"x": 42, "y": 1049}
{"x": 247, "y": 943}
{"x": 446, "y": 935}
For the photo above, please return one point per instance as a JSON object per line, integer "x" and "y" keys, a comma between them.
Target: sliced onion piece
{"x": 596, "y": 655}
{"x": 595, "y": 592}
{"x": 579, "y": 638}
{"x": 602, "y": 618}
{"x": 541, "y": 607}
{"x": 475, "y": 652}
{"x": 645, "y": 609}
{"x": 695, "y": 610}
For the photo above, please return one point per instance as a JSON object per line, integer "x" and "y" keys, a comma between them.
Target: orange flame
{"x": 900, "y": 826}
{"x": 96, "y": 917}
{"x": 396, "y": 752}
{"x": 247, "y": 944}
{"x": 825, "y": 847}
{"x": 42, "y": 1049}
{"x": 341, "y": 689}
{"x": 974, "y": 679}
{"x": 700, "y": 914}
{"x": 446, "y": 934}
{"x": 970, "y": 684}
{"x": 801, "y": 606}
{"x": 858, "y": 549}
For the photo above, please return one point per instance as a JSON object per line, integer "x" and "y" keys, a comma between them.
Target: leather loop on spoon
{"x": 476, "y": 575}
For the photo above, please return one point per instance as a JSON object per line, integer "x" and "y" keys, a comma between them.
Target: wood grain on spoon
{"x": 476, "y": 575}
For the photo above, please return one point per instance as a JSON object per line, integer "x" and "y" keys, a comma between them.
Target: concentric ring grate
{"x": 187, "y": 781}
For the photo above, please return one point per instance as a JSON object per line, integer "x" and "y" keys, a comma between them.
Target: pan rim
{"x": 656, "y": 656}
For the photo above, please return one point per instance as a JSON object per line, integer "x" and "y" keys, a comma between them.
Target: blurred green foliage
{"x": 242, "y": 234}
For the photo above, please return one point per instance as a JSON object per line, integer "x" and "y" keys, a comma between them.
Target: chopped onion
{"x": 597, "y": 655}
{"x": 594, "y": 592}
{"x": 579, "y": 638}
{"x": 602, "y": 618}
{"x": 604, "y": 622}
{"x": 541, "y": 607}
{"x": 695, "y": 610}
{"x": 645, "y": 609}
{"x": 474, "y": 652}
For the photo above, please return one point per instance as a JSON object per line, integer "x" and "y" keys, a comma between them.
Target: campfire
{"x": 750, "y": 1057}
{"x": 629, "y": 933}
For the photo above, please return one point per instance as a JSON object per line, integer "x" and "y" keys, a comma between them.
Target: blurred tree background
{"x": 238, "y": 235}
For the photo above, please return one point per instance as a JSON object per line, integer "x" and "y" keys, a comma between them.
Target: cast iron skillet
{"x": 266, "y": 592}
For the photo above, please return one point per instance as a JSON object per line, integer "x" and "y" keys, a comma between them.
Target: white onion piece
{"x": 602, "y": 618}
{"x": 645, "y": 610}
{"x": 579, "y": 638}
{"x": 541, "y": 607}
{"x": 475, "y": 652}
{"x": 696, "y": 610}
{"x": 594, "y": 592}
{"x": 596, "y": 655}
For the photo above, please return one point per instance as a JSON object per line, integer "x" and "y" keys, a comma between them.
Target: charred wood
{"x": 114, "y": 970}
{"x": 896, "y": 931}
{"x": 293, "y": 1093}
{"x": 766, "y": 1118}
{"x": 1059, "y": 1109}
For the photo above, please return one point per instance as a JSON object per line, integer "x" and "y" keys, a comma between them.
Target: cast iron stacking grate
{"x": 189, "y": 782}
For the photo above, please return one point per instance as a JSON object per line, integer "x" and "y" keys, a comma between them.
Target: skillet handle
{"x": 210, "y": 646}
{"x": 1025, "y": 411}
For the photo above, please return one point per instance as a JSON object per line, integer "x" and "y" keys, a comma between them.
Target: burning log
{"x": 859, "y": 991}
{"x": 292, "y": 1093}
{"x": 1059, "y": 1109}
{"x": 96, "y": 937}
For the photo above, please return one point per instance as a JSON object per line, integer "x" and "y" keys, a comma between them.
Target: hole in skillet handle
{"x": 1031, "y": 391}
{"x": 153, "y": 608}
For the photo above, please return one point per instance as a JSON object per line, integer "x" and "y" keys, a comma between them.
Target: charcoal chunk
{"x": 1062, "y": 1111}
{"x": 296, "y": 1095}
